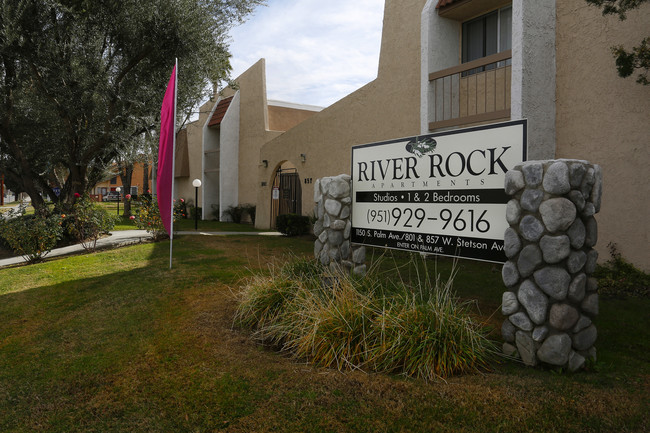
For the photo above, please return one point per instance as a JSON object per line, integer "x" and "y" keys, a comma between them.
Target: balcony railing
{"x": 474, "y": 92}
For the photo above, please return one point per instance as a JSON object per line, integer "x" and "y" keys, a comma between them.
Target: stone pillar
{"x": 551, "y": 299}
{"x": 333, "y": 226}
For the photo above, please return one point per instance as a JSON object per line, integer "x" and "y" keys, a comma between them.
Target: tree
{"x": 627, "y": 62}
{"x": 80, "y": 78}
{"x": 137, "y": 150}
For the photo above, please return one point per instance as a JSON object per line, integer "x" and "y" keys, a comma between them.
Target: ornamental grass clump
{"x": 371, "y": 323}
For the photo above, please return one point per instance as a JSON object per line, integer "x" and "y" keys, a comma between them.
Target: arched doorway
{"x": 286, "y": 193}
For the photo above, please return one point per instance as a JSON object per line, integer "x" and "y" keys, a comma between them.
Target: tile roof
{"x": 443, "y": 3}
{"x": 220, "y": 111}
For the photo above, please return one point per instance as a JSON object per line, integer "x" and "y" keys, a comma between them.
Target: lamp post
{"x": 196, "y": 183}
{"x": 118, "y": 189}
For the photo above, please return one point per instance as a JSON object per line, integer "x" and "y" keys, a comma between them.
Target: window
{"x": 486, "y": 35}
{"x": 114, "y": 180}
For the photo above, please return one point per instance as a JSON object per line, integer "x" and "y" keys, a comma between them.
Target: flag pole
{"x": 171, "y": 201}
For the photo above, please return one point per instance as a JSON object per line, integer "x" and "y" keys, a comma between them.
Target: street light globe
{"x": 196, "y": 183}
{"x": 118, "y": 189}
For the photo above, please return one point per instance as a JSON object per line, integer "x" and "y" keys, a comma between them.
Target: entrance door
{"x": 287, "y": 194}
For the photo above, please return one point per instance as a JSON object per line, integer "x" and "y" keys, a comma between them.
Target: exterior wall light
{"x": 265, "y": 162}
{"x": 303, "y": 157}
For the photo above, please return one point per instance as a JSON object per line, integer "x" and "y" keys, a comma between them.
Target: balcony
{"x": 474, "y": 92}
{"x": 211, "y": 161}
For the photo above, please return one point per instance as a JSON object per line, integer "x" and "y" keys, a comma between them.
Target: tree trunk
{"x": 145, "y": 178}
{"x": 126, "y": 175}
{"x": 75, "y": 183}
{"x": 26, "y": 177}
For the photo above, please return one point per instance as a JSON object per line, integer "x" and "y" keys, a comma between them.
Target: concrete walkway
{"x": 192, "y": 232}
{"x": 7, "y": 208}
{"x": 122, "y": 238}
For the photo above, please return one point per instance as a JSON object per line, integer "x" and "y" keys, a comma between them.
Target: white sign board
{"x": 439, "y": 193}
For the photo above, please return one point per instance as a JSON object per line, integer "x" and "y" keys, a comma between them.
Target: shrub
{"x": 89, "y": 221}
{"x": 292, "y": 224}
{"x": 370, "y": 323}
{"x": 194, "y": 211}
{"x": 249, "y": 209}
{"x": 235, "y": 213}
{"x": 180, "y": 209}
{"x": 215, "y": 212}
{"x": 31, "y": 236}
{"x": 148, "y": 218}
{"x": 619, "y": 278}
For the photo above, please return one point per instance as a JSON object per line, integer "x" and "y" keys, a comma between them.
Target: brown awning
{"x": 220, "y": 111}
{"x": 443, "y": 3}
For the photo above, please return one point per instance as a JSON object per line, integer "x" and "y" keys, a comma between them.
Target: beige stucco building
{"x": 221, "y": 148}
{"x": 446, "y": 64}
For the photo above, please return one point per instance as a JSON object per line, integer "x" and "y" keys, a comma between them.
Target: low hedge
{"x": 292, "y": 224}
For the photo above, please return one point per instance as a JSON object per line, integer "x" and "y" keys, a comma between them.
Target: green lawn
{"x": 125, "y": 223}
{"x": 116, "y": 342}
{"x": 179, "y": 225}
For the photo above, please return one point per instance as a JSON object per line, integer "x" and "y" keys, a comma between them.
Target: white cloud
{"x": 316, "y": 51}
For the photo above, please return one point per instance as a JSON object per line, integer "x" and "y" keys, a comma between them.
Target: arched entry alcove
{"x": 286, "y": 192}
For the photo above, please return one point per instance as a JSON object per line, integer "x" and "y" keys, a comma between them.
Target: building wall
{"x": 137, "y": 179}
{"x": 531, "y": 92}
{"x": 229, "y": 156}
{"x": 386, "y": 108}
{"x": 210, "y": 168}
{"x": 226, "y": 156}
{"x": 564, "y": 81}
{"x": 283, "y": 118}
{"x": 253, "y": 129}
{"x": 194, "y": 137}
{"x": 533, "y": 73}
{"x": 606, "y": 119}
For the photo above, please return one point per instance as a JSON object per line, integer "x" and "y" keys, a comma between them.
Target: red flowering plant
{"x": 90, "y": 221}
{"x": 180, "y": 209}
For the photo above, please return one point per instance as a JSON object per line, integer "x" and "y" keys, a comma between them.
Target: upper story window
{"x": 485, "y": 35}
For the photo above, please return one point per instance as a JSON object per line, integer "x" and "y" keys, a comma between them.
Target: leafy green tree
{"x": 135, "y": 151}
{"x": 80, "y": 78}
{"x": 638, "y": 58}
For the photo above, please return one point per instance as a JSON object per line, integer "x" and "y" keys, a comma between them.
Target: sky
{"x": 316, "y": 51}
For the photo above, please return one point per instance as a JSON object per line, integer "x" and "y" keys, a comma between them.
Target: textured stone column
{"x": 551, "y": 300}
{"x": 333, "y": 226}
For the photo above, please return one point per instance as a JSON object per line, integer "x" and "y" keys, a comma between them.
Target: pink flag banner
{"x": 165, "y": 173}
